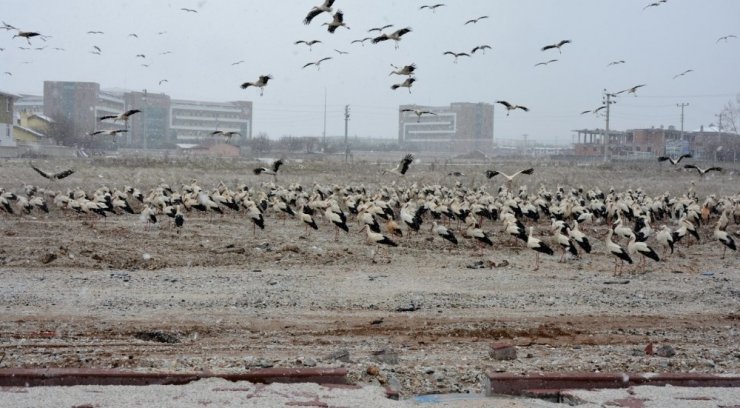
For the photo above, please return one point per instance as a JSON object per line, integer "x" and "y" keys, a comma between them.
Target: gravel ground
{"x": 113, "y": 294}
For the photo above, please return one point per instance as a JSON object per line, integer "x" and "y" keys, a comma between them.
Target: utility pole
{"x": 682, "y": 106}
{"x": 608, "y": 102}
{"x": 346, "y": 127}
{"x": 324, "y": 134}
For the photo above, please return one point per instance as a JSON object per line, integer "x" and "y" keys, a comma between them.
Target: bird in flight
{"x": 309, "y": 43}
{"x": 654, "y": 4}
{"x": 273, "y": 170}
{"x": 338, "y": 21}
{"x": 189, "y": 10}
{"x": 545, "y": 62}
{"x": 165, "y": 52}
{"x": 725, "y": 38}
{"x": 491, "y": 173}
{"x": 133, "y": 35}
{"x": 632, "y": 90}
{"x": 28, "y": 34}
{"x": 481, "y": 48}
{"x": 558, "y": 45}
{"x": 8, "y": 73}
{"x": 340, "y": 52}
{"x": 110, "y": 132}
{"x": 509, "y": 107}
{"x": 95, "y": 32}
{"x": 615, "y": 63}
{"x": 140, "y": 56}
{"x": 683, "y": 73}
{"x": 361, "y": 41}
{"x": 456, "y": 55}
{"x": 260, "y": 83}
{"x": 405, "y": 84}
{"x": 475, "y": 20}
{"x": 380, "y": 29}
{"x": 316, "y": 10}
{"x": 594, "y": 111}
{"x": 395, "y": 36}
{"x": 672, "y": 160}
{"x": 162, "y": 81}
{"x": 53, "y": 176}
{"x": 403, "y": 165}
{"x": 432, "y": 7}
{"x": 317, "y": 63}
{"x": 122, "y": 116}
{"x": 405, "y": 70}
{"x": 701, "y": 171}
{"x": 237, "y": 62}
{"x": 418, "y": 113}
{"x": 227, "y": 134}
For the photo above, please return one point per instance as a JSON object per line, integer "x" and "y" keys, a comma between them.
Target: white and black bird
{"x": 616, "y": 250}
{"x": 594, "y": 111}
{"x": 482, "y": 48}
{"x": 188, "y": 10}
{"x": 125, "y": 116}
{"x": 405, "y": 70}
{"x": 538, "y": 246}
{"x": 405, "y": 84}
{"x": 340, "y": 52}
{"x": 683, "y": 73}
{"x": 403, "y": 165}
{"x": 27, "y": 35}
{"x": 725, "y": 239}
{"x": 419, "y": 113}
{"x": 361, "y": 41}
{"x": 545, "y": 62}
{"x": 317, "y": 63}
{"x": 510, "y": 107}
{"x": 380, "y": 29}
{"x": 336, "y": 22}
{"x": 701, "y": 171}
{"x": 109, "y": 132}
{"x": 636, "y": 247}
{"x": 325, "y": 7}
{"x": 432, "y": 7}
{"x": 556, "y": 45}
{"x": 259, "y": 83}
{"x": 273, "y": 170}
{"x": 161, "y": 81}
{"x": 53, "y": 176}
{"x": 632, "y": 90}
{"x": 665, "y": 238}
{"x": 674, "y": 161}
{"x": 309, "y": 43}
{"x": 456, "y": 55}
{"x": 226, "y": 134}
{"x": 475, "y": 20}
{"x": 615, "y": 63}
{"x": 395, "y": 36}
{"x": 725, "y": 38}
{"x": 444, "y": 232}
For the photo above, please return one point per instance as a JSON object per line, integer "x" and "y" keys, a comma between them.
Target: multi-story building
{"x": 30, "y": 104}
{"x": 162, "y": 121}
{"x": 460, "y": 127}
{"x": 192, "y": 121}
{"x": 6, "y": 119}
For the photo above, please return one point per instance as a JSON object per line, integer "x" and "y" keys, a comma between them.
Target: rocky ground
{"x": 77, "y": 292}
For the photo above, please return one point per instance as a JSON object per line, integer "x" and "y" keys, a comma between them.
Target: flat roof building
{"x": 459, "y": 127}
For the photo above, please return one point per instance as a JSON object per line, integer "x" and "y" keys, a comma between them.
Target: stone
{"x": 340, "y": 355}
{"x": 503, "y": 351}
{"x": 373, "y": 370}
{"x": 386, "y": 356}
{"x": 665, "y": 351}
{"x": 309, "y": 362}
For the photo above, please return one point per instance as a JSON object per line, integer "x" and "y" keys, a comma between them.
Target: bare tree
{"x": 261, "y": 143}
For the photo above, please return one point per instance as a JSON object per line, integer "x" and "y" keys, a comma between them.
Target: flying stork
{"x": 121, "y": 116}
{"x": 481, "y": 48}
{"x": 53, "y": 176}
{"x": 403, "y": 165}
{"x": 456, "y": 54}
{"x": 109, "y": 132}
{"x": 615, "y": 63}
{"x": 509, "y": 179}
{"x": 418, "y": 113}
{"x": 337, "y": 22}
{"x": 545, "y": 62}
{"x": 317, "y": 63}
{"x": 309, "y": 43}
{"x": 227, "y": 134}
{"x": 683, "y": 73}
{"x": 558, "y": 45}
{"x": 475, "y": 20}
{"x": 316, "y": 10}
{"x": 395, "y": 36}
{"x": 188, "y": 10}
{"x": 674, "y": 161}
{"x": 432, "y": 7}
{"x": 272, "y": 170}
{"x": 594, "y": 111}
{"x": 701, "y": 171}
{"x": 380, "y": 29}
{"x": 725, "y": 38}
{"x": 405, "y": 70}
{"x": 260, "y": 83}
{"x": 509, "y": 107}
{"x": 361, "y": 41}
{"x": 405, "y": 84}
{"x": 632, "y": 90}
{"x": 27, "y": 35}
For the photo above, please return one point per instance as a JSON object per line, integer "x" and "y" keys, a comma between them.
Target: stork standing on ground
{"x": 379, "y": 239}
{"x": 510, "y": 107}
{"x": 617, "y": 251}
{"x": 418, "y": 113}
{"x": 665, "y": 238}
{"x": 444, "y": 232}
{"x": 643, "y": 249}
{"x": 725, "y": 239}
{"x": 395, "y": 36}
{"x": 338, "y": 219}
{"x": 538, "y": 246}
{"x": 179, "y": 219}
{"x": 259, "y": 83}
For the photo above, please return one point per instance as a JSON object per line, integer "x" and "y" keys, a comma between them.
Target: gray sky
{"x": 656, "y": 43}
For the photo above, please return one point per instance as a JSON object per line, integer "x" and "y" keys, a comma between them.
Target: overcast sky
{"x": 657, "y": 43}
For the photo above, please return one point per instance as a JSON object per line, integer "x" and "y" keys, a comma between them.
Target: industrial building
{"x": 459, "y": 127}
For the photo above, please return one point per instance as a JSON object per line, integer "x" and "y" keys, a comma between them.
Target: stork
{"x": 482, "y": 48}
{"x": 545, "y": 62}
{"x": 27, "y": 35}
{"x": 260, "y": 83}
{"x": 538, "y": 246}
{"x": 557, "y": 45}
{"x": 378, "y": 238}
{"x": 273, "y": 170}
{"x": 617, "y": 251}
{"x": 361, "y": 41}
{"x": 701, "y": 171}
{"x": 725, "y": 38}
{"x": 615, "y": 63}
{"x": 632, "y": 90}
{"x": 109, "y": 132}
{"x": 418, "y": 113}
{"x": 179, "y": 219}
{"x": 665, "y": 238}
{"x": 565, "y": 243}
{"x": 475, "y": 20}
{"x": 456, "y": 55}
{"x": 674, "y": 161}
{"x": 643, "y": 249}
{"x": 53, "y": 176}
{"x": 580, "y": 238}
{"x": 317, "y": 63}
{"x": 125, "y": 116}
{"x": 380, "y": 29}
{"x": 405, "y": 84}
{"x": 188, "y": 10}
{"x": 227, "y": 134}
{"x": 432, "y": 7}
{"x": 309, "y": 43}
{"x": 683, "y": 73}
{"x": 337, "y": 21}
{"x": 443, "y": 232}
{"x": 594, "y": 111}
{"x": 395, "y": 36}
{"x": 316, "y": 10}
{"x": 403, "y": 165}
{"x": 509, "y": 178}
{"x": 338, "y": 219}
{"x": 405, "y": 70}
{"x": 725, "y": 239}
{"x": 509, "y": 107}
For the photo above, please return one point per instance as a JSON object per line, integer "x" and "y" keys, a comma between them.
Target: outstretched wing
{"x": 259, "y": 170}
{"x": 41, "y": 172}
{"x": 276, "y": 165}
{"x": 687, "y": 156}
{"x": 507, "y": 104}
{"x": 524, "y": 108}
{"x": 664, "y": 158}
{"x": 713, "y": 169}
{"x": 311, "y": 14}
{"x": 690, "y": 166}
{"x": 491, "y": 173}
{"x": 527, "y": 171}
{"x": 63, "y": 174}
{"x": 405, "y": 163}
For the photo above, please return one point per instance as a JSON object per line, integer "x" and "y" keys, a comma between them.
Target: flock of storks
{"x": 392, "y": 213}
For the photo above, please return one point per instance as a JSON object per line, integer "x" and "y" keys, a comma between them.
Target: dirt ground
{"x": 114, "y": 293}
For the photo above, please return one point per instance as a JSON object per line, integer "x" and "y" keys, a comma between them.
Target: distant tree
{"x": 261, "y": 143}
{"x": 61, "y": 130}
{"x": 728, "y": 117}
